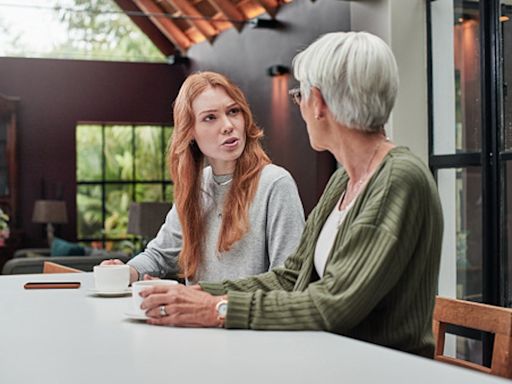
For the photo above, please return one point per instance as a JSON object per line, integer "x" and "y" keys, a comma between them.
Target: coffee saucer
{"x": 135, "y": 316}
{"x": 98, "y": 292}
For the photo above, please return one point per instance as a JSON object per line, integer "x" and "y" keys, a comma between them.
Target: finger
{"x": 149, "y": 277}
{"x": 156, "y": 289}
{"x": 111, "y": 262}
{"x": 156, "y": 300}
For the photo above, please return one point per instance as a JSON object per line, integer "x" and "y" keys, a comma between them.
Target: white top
{"x": 328, "y": 235}
{"x": 69, "y": 336}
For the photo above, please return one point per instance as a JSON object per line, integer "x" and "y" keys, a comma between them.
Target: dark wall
{"x": 55, "y": 95}
{"x": 245, "y": 56}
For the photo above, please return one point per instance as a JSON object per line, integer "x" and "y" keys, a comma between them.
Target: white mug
{"x": 111, "y": 278}
{"x": 138, "y": 286}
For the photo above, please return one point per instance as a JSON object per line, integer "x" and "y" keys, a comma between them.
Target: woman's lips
{"x": 231, "y": 143}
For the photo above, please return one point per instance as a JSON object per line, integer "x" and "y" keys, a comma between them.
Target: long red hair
{"x": 186, "y": 163}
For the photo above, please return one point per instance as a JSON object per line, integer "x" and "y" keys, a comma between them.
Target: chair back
{"x": 51, "y": 267}
{"x": 482, "y": 317}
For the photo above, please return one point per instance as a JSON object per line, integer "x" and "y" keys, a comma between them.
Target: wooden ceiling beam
{"x": 165, "y": 25}
{"x": 270, "y": 6}
{"x": 149, "y": 28}
{"x": 205, "y": 27}
{"x": 230, "y": 12}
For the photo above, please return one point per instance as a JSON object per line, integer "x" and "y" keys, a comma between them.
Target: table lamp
{"x": 50, "y": 212}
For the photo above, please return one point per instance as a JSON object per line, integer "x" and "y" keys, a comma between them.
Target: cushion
{"x": 65, "y": 248}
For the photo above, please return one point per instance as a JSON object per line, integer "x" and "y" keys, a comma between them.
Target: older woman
{"x": 229, "y": 198}
{"x": 367, "y": 264}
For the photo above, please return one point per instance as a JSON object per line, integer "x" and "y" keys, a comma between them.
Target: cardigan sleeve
{"x": 349, "y": 289}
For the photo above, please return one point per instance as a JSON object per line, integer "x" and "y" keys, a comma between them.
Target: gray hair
{"x": 357, "y": 75}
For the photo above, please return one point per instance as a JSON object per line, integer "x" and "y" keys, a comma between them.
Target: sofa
{"x": 30, "y": 260}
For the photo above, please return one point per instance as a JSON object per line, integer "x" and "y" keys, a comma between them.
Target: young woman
{"x": 235, "y": 214}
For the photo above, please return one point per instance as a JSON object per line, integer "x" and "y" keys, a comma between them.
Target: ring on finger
{"x": 163, "y": 312}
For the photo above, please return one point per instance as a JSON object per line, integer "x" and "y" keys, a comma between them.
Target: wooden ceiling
{"x": 179, "y": 24}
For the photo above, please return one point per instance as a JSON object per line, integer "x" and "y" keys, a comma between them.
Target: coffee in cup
{"x": 139, "y": 286}
{"x": 111, "y": 278}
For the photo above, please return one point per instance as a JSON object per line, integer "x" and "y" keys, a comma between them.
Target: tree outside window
{"x": 118, "y": 164}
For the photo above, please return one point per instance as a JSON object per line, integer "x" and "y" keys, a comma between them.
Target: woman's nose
{"x": 227, "y": 127}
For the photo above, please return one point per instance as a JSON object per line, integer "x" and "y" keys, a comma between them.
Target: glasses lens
{"x": 295, "y": 95}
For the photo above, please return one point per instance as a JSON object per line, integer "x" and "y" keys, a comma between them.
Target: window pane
{"x": 97, "y": 30}
{"x": 506, "y": 44}
{"x": 456, "y": 76}
{"x": 148, "y": 192}
{"x": 167, "y": 138}
{"x": 460, "y": 191}
{"x": 469, "y": 349}
{"x": 89, "y": 219}
{"x": 88, "y": 154}
{"x": 507, "y": 238}
{"x": 148, "y": 153}
{"x": 118, "y": 199}
{"x": 169, "y": 193}
{"x": 118, "y": 153}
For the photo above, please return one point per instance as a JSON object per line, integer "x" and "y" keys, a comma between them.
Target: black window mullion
{"x": 491, "y": 250}
{"x": 103, "y": 187}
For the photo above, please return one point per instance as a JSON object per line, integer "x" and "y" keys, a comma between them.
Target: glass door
{"x": 470, "y": 151}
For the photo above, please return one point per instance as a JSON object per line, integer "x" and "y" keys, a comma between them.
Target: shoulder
{"x": 406, "y": 170}
{"x": 272, "y": 174}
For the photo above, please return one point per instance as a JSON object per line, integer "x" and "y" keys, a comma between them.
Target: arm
{"x": 161, "y": 254}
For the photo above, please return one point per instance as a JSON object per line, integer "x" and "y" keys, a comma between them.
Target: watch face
{"x": 222, "y": 309}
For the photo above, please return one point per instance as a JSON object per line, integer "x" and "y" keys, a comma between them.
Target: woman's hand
{"x": 112, "y": 262}
{"x": 184, "y": 306}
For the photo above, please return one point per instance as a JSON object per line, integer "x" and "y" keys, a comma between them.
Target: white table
{"x": 69, "y": 336}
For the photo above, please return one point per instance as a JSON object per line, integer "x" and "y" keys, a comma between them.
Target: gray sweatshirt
{"x": 276, "y": 221}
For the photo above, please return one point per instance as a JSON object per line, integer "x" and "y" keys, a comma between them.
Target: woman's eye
{"x": 209, "y": 117}
{"x": 234, "y": 111}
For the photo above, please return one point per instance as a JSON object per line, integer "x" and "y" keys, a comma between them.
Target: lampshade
{"x": 145, "y": 219}
{"x": 50, "y": 211}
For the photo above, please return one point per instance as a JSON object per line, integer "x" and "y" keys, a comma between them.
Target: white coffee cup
{"x": 138, "y": 286}
{"x": 111, "y": 278}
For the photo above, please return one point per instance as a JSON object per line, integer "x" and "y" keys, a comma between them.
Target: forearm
{"x": 275, "y": 310}
{"x": 278, "y": 279}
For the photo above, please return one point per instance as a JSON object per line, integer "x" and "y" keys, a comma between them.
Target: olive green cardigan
{"x": 380, "y": 278}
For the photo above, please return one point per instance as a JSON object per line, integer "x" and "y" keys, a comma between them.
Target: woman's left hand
{"x": 184, "y": 306}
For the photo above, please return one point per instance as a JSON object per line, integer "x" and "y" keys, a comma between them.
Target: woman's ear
{"x": 318, "y": 103}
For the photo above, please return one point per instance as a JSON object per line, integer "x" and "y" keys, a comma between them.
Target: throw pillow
{"x": 65, "y": 248}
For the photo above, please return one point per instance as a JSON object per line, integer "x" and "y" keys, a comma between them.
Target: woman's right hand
{"x": 111, "y": 262}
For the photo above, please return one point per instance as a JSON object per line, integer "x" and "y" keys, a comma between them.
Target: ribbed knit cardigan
{"x": 381, "y": 275}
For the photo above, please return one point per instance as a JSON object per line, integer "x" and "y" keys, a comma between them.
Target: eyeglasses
{"x": 295, "y": 95}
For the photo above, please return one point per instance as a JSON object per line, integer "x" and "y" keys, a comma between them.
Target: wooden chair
{"x": 51, "y": 267}
{"x": 483, "y": 317}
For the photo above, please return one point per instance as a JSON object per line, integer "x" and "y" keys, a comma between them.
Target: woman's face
{"x": 219, "y": 129}
{"x": 306, "y": 110}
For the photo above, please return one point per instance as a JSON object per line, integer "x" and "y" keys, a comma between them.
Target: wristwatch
{"x": 222, "y": 309}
